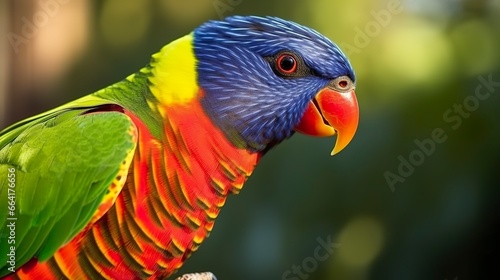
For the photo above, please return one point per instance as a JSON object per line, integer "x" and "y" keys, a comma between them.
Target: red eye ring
{"x": 286, "y": 64}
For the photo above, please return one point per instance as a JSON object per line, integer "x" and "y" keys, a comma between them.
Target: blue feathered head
{"x": 260, "y": 74}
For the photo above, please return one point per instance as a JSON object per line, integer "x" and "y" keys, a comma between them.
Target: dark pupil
{"x": 287, "y": 63}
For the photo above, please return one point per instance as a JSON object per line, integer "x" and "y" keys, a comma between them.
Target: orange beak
{"x": 331, "y": 112}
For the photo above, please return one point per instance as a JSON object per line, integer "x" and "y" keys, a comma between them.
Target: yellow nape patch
{"x": 174, "y": 79}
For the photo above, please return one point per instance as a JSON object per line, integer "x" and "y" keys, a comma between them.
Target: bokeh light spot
{"x": 360, "y": 241}
{"x": 415, "y": 52}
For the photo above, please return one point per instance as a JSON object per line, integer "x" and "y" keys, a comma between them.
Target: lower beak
{"x": 331, "y": 112}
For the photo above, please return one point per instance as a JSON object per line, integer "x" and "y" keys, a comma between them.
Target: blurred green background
{"x": 393, "y": 209}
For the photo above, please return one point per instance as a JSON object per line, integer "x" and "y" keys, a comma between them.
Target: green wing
{"x": 63, "y": 162}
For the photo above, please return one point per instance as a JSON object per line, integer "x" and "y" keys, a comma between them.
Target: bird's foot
{"x": 198, "y": 276}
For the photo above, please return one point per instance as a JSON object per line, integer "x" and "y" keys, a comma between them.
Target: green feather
{"x": 65, "y": 161}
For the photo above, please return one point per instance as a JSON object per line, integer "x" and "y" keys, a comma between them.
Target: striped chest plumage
{"x": 176, "y": 187}
{"x": 174, "y": 191}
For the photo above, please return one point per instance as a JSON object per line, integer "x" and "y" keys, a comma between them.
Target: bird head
{"x": 265, "y": 78}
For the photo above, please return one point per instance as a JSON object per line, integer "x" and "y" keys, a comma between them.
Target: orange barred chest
{"x": 179, "y": 185}
{"x": 174, "y": 190}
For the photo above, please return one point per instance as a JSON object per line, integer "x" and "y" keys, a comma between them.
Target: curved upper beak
{"x": 331, "y": 112}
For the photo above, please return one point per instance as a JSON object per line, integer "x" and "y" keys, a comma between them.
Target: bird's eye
{"x": 286, "y": 64}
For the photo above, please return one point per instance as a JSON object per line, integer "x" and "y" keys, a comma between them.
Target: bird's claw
{"x": 198, "y": 276}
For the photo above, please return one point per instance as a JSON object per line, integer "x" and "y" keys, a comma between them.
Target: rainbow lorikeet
{"x": 126, "y": 182}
